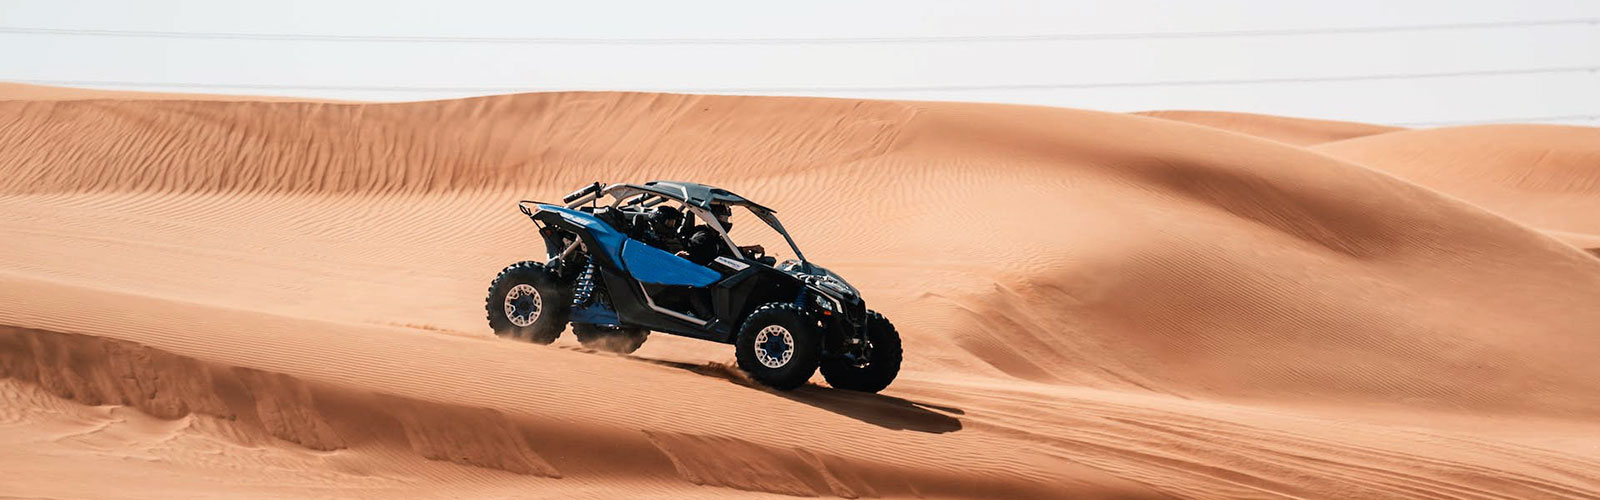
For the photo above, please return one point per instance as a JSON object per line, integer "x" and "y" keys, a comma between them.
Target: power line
{"x": 1347, "y": 30}
{"x": 827, "y": 89}
{"x": 1520, "y": 119}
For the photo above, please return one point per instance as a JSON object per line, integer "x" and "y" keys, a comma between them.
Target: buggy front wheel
{"x": 777, "y": 347}
{"x": 881, "y": 365}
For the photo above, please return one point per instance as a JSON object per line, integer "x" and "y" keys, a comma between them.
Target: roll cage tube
{"x": 650, "y": 196}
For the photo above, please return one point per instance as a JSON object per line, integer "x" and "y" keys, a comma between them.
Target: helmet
{"x": 723, "y": 215}
{"x": 665, "y": 219}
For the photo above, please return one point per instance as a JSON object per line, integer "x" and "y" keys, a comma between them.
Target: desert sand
{"x": 218, "y": 296}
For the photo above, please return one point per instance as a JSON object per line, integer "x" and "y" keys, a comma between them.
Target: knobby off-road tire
{"x": 884, "y": 355}
{"x": 527, "y": 303}
{"x": 621, "y": 341}
{"x": 777, "y": 348}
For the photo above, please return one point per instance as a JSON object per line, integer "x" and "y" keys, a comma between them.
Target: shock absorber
{"x": 583, "y": 286}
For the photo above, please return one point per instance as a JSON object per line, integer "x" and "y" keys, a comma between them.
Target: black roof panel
{"x": 701, "y": 195}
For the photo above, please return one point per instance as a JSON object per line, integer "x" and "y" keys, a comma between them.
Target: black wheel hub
{"x": 523, "y": 307}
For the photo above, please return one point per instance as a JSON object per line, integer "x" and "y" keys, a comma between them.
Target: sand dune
{"x": 1545, "y": 176}
{"x": 1189, "y": 305}
{"x": 1296, "y": 131}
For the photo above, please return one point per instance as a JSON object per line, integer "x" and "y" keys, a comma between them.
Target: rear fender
{"x": 555, "y": 241}
{"x": 603, "y": 242}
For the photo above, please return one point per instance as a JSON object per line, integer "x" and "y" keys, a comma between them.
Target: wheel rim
{"x": 774, "y": 346}
{"x": 860, "y": 357}
{"x": 523, "y": 305}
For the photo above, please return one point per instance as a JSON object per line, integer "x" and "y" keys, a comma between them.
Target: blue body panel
{"x": 610, "y": 238}
{"x": 656, "y": 266}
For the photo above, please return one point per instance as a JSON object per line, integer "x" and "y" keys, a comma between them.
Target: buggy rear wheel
{"x": 527, "y": 303}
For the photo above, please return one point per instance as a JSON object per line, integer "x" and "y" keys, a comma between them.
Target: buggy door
{"x": 670, "y": 283}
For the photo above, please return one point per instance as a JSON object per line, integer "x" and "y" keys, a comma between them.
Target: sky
{"x": 1395, "y": 61}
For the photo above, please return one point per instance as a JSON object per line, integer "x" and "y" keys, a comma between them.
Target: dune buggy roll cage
{"x": 697, "y": 198}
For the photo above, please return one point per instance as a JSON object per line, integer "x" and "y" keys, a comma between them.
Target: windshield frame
{"x": 764, "y": 214}
{"x": 772, "y": 221}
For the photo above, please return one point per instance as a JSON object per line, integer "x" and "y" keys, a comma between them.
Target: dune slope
{"x": 1545, "y": 176}
{"x": 1296, "y": 131}
{"x": 1094, "y": 304}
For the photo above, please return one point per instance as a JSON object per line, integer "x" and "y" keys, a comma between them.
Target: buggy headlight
{"x": 834, "y": 285}
{"x": 825, "y": 302}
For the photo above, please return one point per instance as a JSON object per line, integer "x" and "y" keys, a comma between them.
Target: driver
{"x": 663, "y": 225}
{"x": 704, "y": 244}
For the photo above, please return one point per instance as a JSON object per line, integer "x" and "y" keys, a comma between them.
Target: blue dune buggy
{"x": 620, "y": 265}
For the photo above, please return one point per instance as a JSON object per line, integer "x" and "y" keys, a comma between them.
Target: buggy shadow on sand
{"x": 882, "y": 410}
{"x": 619, "y": 269}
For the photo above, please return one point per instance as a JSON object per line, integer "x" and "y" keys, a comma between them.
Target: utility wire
{"x": 1048, "y": 37}
{"x": 828, "y": 89}
{"x": 1520, "y": 119}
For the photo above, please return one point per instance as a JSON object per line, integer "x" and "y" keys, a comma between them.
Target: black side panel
{"x": 632, "y": 309}
{"x": 748, "y": 289}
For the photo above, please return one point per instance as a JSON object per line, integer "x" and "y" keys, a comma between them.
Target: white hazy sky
{"x": 1428, "y": 62}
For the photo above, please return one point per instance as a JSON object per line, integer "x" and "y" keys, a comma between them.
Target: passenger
{"x": 704, "y": 244}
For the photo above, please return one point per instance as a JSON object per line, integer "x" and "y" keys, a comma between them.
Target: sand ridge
{"x": 1296, "y": 131}
{"x": 1545, "y": 176}
{"x": 1176, "y": 305}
